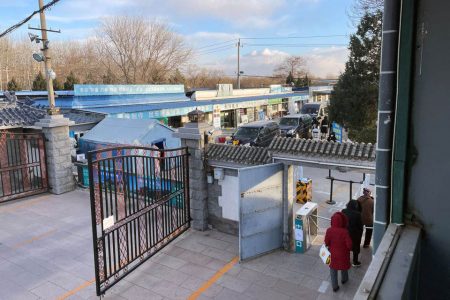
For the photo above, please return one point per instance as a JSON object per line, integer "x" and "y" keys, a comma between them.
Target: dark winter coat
{"x": 366, "y": 203}
{"x": 355, "y": 225}
{"x": 338, "y": 242}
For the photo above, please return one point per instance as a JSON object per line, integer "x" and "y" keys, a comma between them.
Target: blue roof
{"x": 140, "y": 103}
{"x": 90, "y": 102}
{"x": 189, "y": 103}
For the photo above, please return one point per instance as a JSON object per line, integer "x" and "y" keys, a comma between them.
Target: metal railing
{"x": 23, "y": 170}
{"x": 139, "y": 204}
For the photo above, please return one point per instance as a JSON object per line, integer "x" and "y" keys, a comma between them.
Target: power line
{"x": 14, "y": 27}
{"x": 215, "y": 44}
{"x": 216, "y": 49}
{"x": 295, "y": 45}
{"x": 294, "y": 37}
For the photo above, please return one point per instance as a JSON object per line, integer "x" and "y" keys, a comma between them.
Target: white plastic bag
{"x": 325, "y": 254}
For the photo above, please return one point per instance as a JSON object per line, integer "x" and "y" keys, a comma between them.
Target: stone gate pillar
{"x": 57, "y": 147}
{"x": 192, "y": 137}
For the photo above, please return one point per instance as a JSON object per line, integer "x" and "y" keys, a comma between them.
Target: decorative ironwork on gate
{"x": 23, "y": 170}
{"x": 139, "y": 204}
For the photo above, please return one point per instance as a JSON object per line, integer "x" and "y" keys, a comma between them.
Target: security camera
{"x": 210, "y": 132}
{"x": 38, "y": 57}
{"x": 33, "y": 37}
{"x": 51, "y": 74}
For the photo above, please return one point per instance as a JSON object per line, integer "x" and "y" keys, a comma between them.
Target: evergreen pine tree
{"x": 13, "y": 85}
{"x": 39, "y": 83}
{"x": 289, "y": 78}
{"x": 71, "y": 80}
{"x": 57, "y": 86}
{"x": 353, "y": 102}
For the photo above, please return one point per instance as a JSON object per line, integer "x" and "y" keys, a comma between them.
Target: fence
{"x": 23, "y": 170}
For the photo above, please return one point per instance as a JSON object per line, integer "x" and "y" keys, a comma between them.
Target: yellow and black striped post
{"x": 304, "y": 191}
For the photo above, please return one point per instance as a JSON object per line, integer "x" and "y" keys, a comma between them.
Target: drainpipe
{"x": 386, "y": 107}
{"x": 402, "y": 111}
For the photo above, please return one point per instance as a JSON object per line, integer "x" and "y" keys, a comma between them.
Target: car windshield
{"x": 310, "y": 109}
{"x": 289, "y": 121}
{"x": 247, "y": 132}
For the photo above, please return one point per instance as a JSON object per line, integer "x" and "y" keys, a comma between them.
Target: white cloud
{"x": 322, "y": 62}
{"x": 255, "y": 13}
{"x": 253, "y": 63}
{"x": 327, "y": 61}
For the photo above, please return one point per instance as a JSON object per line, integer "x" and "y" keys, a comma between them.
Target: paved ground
{"x": 46, "y": 253}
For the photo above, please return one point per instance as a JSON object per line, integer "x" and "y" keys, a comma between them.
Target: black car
{"x": 311, "y": 109}
{"x": 259, "y": 133}
{"x": 298, "y": 125}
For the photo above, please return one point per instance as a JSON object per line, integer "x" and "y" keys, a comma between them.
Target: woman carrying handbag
{"x": 339, "y": 244}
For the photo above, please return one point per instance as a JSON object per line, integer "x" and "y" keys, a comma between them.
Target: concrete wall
{"x": 223, "y": 203}
{"x": 427, "y": 187}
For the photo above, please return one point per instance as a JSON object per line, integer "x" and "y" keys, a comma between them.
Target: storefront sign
{"x": 227, "y": 106}
{"x": 216, "y": 116}
{"x": 337, "y": 129}
{"x": 275, "y": 101}
{"x": 155, "y": 114}
{"x": 128, "y": 89}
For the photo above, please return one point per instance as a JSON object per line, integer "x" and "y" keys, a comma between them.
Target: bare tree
{"x": 141, "y": 50}
{"x": 295, "y": 65}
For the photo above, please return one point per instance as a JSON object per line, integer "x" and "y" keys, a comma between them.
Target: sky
{"x": 211, "y": 27}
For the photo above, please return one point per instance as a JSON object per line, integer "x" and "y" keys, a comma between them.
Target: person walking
{"x": 366, "y": 203}
{"x": 355, "y": 228}
{"x": 339, "y": 244}
{"x": 324, "y": 127}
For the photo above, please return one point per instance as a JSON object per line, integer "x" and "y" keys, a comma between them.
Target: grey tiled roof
{"x": 238, "y": 154}
{"x": 325, "y": 149}
{"x": 18, "y": 114}
{"x": 83, "y": 117}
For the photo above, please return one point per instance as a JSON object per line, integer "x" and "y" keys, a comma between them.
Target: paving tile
{"x": 282, "y": 273}
{"x": 218, "y": 254}
{"x": 192, "y": 283}
{"x": 213, "y": 290}
{"x": 227, "y": 294}
{"x": 192, "y": 245}
{"x": 169, "y": 261}
{"x": 215, "y": 264}
{"x": 255, "y": 265}
{"x": 236, "y": 284}
{"x": 66, "y": 280}
{"x": 171, "y": 290}
{"x": 264, "y": 293}
{"x": 257, "y": 277}
{"x": 311, "y": 282}
{"x": 213, "y": 242}
{"x": 48, "y": 290}
{"x": 195, "y": 257}
{"x": 136, "y": 293}
{"x": 10, "y": 290}
{"x": 172, "y": 250}
{"x": 197, "y": 271}
{"x": 28, "y": 280}
{"x": 163, "y": 272}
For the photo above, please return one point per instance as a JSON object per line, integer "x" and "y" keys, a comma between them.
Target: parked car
{"x": 313, "y": 109}
{"x": 259, "y": 133}
{"x": 298, "y": 125}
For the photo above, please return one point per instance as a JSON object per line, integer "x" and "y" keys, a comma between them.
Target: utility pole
{"x": 238, "y": 67}
{"x": 51, "y": 96}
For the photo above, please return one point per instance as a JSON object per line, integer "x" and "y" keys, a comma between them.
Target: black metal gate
{"x": 139, "y": 204}
{"x": 23, "y": 170}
